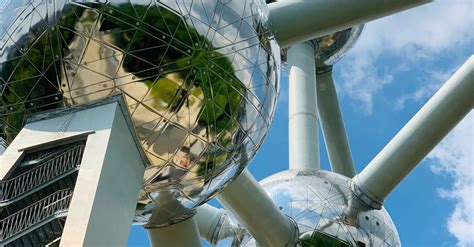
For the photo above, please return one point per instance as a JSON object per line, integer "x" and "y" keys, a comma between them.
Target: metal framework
{"x": 33, "y": 215}
{"x": 52, "y": 167}
{"x": 312, "y": 96}
{"x": 450, "y": 104}
{"x": 103, "y": 192}
{"x": 40, "y": 172}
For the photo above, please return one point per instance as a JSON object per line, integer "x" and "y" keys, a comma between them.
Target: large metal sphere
{"x": 200, "y": 79}
{"x": 326, "y": 211}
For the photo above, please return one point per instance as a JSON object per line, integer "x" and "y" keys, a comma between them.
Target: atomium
{"x": 200, "y": 79}
{"x": 325, "y": 209}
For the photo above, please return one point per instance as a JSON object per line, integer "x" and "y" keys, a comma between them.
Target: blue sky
{"x": 398, "y": 63}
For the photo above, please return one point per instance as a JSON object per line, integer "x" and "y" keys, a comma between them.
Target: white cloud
{"x": 362, "y": 80}
{"x": 425, "y": 91}
{"x": 413, "y": 38}
{"x": 429, "y": 42}
{"x": 455, "y": 157}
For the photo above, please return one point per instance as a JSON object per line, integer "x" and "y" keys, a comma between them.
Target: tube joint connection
{"x": 365, "y": 197}
{"x": 160, "y": 223}
{"x": 296, "y": 233}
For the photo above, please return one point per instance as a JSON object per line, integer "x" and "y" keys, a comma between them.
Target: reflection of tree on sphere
{"x": 201, "y": 89}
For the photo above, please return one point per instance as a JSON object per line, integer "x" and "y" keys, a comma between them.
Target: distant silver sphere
{"x": 200, "y": 79}
{"x": 332, "y": 47}
{"x": 325, "y": 209}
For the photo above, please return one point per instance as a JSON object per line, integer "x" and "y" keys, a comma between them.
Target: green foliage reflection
{"x": 155, "y": 41}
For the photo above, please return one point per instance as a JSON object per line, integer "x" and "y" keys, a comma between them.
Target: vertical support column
{"x": 303, "y": 122}
{"x": 332, "y": 124}
{"x": 184, "y": 233}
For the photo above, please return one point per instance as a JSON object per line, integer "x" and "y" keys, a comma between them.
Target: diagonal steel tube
{"x": 332, "y": 125}
{"x": 295, "y": 21}
{"x": 254, "y": 209}
{"x": 418, "y": 137}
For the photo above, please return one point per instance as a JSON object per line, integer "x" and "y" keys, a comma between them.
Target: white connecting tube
{"x": 295, "y": 21}
{"x": 302, "y": 109}
{"x": 418, "y": 137}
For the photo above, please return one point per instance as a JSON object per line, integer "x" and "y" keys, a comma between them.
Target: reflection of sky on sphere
{"x": 200, "y": 79}
{"x": 323, "y": 201}
{"x": 323, "y": 207}
{"x": 3, "y": 146}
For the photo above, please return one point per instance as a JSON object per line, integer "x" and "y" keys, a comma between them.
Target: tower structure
{"x": 69, "y": 180}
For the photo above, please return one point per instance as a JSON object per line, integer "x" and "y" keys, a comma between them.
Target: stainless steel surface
{"x": 184, "y": 233}
{"x": 232, "y": 233}
{"x": 295, "y": 21}
{"x": 254, "y": 209}
{"x": 200, "y": 79}
{"x": 331, "y": 48}
{"x": 209, "y": 219}
{"x": 53, "y": 166}
{"x": 44, "y": 209}
{"x": 326, "y": 211}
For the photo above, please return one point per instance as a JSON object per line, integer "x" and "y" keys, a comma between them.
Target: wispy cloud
{"x": 425, "y": 91}
{"x": 428, "y": 43}
{"x": 455, "y": 157}
{"x": 410, "y": 38}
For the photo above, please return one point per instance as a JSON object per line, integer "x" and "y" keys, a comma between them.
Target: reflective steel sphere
{"x": 200, "y": 79}
{"x": 331, "y": 48}
{"x": 326, "y": 211}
